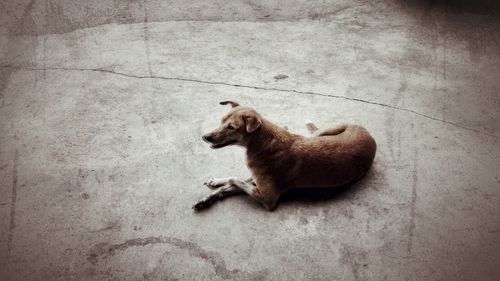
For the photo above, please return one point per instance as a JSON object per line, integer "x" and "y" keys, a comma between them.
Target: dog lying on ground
{"x": 280, "y": 160}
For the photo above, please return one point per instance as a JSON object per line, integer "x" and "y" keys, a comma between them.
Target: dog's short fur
{"x": 280, "y": 160}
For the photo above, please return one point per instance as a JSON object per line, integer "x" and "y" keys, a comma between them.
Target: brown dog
{"x": 280, "y": 160}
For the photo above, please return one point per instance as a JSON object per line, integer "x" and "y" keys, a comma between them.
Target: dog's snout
{"x": 207, "y": 137}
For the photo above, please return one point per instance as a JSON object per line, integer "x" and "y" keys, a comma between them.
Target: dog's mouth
{"x": 219, "y": 145}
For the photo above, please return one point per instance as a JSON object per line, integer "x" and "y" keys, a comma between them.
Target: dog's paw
{"x": 200, "y": 205}
{"x": 214, "y": 183}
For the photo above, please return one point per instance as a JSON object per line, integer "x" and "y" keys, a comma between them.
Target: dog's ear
{"x": 232, "y": 103}
{"x": 252, "y": 122}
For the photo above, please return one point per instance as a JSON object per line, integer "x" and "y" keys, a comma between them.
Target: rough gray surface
{"x": 102, "y": 105}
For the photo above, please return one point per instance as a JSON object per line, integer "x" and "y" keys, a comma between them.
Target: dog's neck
{"x": 268, "y": 138}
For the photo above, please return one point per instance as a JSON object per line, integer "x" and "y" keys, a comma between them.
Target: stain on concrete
{"x": 280, "y": 77}
{"x": 105, "y": 250}
{"x": 114, "y": 225}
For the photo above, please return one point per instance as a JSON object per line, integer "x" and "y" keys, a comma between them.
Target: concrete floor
{"x": 103, "y": 102}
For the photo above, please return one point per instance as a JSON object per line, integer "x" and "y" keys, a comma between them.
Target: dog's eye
{"x": 230, "y": 127}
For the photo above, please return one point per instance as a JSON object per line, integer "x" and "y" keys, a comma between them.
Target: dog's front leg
{"x": 234, "y": 186}
{"x": 221, "y": 193}
{"x": 217, "y": 182}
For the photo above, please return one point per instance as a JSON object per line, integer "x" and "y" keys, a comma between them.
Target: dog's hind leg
{"x": 266, "y": 196}
{"x": 330, "y": 131}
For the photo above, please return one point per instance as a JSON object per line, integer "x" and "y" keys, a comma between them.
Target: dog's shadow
{"x": 315, "y": 195}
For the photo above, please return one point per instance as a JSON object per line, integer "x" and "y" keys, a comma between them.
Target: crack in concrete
{"x": 192, "y": 80}
{"x": 105, "y": 250}
{"x": 12, "y": 223}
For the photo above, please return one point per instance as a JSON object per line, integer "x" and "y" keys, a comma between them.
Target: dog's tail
{"x": 311, "y": 127}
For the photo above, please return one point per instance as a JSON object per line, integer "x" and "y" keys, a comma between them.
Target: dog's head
{"x": 235, "y": 127}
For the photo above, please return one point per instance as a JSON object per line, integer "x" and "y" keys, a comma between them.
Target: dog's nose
{"x": 207, "y": 137}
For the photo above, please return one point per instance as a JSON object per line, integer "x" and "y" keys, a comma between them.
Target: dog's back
{"x": 331, "y": 160}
